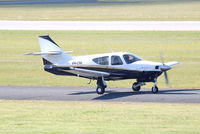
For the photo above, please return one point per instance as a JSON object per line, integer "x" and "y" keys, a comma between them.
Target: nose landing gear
{"x": 154, "y": 89}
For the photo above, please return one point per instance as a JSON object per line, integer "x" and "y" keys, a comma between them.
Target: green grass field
{"x": 137, "y": 10}
{"x": 48, "y": 117}
{"x": 42, "y": 117}
{"x": 17, "y": 69}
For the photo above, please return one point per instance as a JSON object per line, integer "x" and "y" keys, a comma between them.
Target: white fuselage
{"x": 140, "y": 65}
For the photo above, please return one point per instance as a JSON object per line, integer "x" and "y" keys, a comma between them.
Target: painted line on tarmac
{"x": 102, "y": 25}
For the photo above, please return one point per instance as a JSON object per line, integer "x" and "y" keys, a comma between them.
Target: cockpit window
{"x": 116, "y": 60}
{"x": 101, "y": 60}
{"x": 130, "y": 58}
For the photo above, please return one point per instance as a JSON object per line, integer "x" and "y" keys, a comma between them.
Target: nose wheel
{"x": 154, "y": 89}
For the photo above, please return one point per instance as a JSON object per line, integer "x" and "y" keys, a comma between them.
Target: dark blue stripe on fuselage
{"x": 115, "y": 74}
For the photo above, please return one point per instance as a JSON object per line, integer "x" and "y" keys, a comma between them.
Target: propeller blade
{"x": 166, "y": 78}
{"x": 164, "y": 69}
{"x": 162, "y": 58}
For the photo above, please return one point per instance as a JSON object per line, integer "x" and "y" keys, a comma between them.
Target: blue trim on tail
{"x": 46, "y": 37}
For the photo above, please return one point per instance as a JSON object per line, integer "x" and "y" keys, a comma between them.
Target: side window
{"x": 101, "y": 60}
{"x": 130, "y": 58}
{"x": 116, "y": 60}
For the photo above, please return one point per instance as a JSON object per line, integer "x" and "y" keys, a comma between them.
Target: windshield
{"x": 129, "y": 58}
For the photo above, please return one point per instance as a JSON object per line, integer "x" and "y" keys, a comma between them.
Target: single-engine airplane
{"x": 102, "y": 67}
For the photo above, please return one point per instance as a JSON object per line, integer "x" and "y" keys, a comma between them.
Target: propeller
{"x": 166, "y": 79}
{"x": 164, "y": 68}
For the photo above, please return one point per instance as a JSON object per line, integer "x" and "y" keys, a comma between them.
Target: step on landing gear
{"x": 101, "y": 85}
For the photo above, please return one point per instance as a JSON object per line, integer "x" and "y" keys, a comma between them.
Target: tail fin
{"x": 51, "y": 53}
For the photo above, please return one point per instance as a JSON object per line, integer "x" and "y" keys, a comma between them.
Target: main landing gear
{"x": 101, "y": 85}
{"x": 137, "y": 86}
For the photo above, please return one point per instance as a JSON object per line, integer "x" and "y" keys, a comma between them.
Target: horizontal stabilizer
{"x": 172, "y": 63}
{"x": 45, "y": 53}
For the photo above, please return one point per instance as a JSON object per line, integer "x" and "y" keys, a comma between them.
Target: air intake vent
{"x": 157, "y": 67}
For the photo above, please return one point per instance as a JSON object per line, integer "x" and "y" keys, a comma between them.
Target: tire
{"x": 154, "y": 89}
{"x": 137, "y": 88}
{"x": 100, "y": 90}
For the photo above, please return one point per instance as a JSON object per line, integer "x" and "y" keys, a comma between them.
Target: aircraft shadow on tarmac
{"x": 114, "y": 94}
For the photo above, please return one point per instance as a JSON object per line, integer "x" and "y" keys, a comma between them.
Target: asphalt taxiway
{"x": 89, "y": 94}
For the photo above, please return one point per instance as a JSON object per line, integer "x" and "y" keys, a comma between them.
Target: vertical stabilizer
{"x": 52, "y": 53}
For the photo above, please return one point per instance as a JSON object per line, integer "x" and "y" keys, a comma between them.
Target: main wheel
{"x": 136, "y": 88}
{"x": 154, "y": 89}
{"x": 100, "y": 90}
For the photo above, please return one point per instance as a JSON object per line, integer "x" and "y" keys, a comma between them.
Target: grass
{"x": 17, "y": 69}
{"x": 137, "y": 10}
{"x": 42, "y": 117}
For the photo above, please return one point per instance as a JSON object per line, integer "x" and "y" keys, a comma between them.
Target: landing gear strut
{"x": 154, "y": 89}
{"x": 101, "y": 85}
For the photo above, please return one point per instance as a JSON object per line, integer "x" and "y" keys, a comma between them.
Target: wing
{"x": 172, "y": 63}
{"x": 88, "y": 73}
